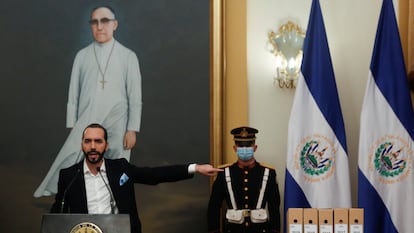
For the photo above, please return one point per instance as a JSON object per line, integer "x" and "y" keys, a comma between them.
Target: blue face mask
{"x": 245, "y": 153}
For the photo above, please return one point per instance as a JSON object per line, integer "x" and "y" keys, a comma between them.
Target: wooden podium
{"x": 81, "y": 223}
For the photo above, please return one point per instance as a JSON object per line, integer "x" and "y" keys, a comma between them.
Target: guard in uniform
{"x": 250, "y": 190}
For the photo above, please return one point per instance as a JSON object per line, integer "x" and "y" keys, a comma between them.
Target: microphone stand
{"x": 112, "y": 200}
{"x": 62, "y": 205}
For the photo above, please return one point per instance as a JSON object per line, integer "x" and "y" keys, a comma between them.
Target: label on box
{"x": 295, "y": 228}
{"x": 310, "y": 228}
{"x": 325, "y": 229}
{"x": 356, "y": 228}
{"x": 341, "y": 228}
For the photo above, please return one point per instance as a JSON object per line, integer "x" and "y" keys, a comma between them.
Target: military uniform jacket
{"x": 246, "y": 184}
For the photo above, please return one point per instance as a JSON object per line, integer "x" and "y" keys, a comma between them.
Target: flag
{"x": 385, "y": 172}
{"x": 317, "y": 172}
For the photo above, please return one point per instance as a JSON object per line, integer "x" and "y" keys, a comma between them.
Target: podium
{"x": 80, "y": 223}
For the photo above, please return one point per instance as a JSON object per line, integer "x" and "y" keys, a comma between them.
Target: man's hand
{"x": 130, "y": 139}
{"x": 207, "y": 169}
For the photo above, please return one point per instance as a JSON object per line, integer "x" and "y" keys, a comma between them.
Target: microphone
{"x": 112, "y": 200}
{"x": 66, "y": 190}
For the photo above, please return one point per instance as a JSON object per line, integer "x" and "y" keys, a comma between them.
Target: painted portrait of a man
{"x": 140, "y": 68}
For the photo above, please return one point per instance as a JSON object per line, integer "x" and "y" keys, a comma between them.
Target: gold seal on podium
{"x": 86, "y": 227}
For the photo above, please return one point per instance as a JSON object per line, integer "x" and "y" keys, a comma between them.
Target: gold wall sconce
{"x": 287, "y": 45}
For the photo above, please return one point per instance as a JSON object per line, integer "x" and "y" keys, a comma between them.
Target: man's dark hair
{"x": 96, "y": 126}
{"x": 104, "y": 6}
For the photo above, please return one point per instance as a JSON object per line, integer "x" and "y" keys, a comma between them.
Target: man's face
{"x": 103, "y": 24}
{"x": 94, "y": 145}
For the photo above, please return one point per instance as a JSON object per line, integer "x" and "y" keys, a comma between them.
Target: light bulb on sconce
{"x": 287, "y": 46}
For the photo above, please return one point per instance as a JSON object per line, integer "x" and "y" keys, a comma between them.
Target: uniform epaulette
{"x": 224, "y": 165}
{"x": 268, "y": 166}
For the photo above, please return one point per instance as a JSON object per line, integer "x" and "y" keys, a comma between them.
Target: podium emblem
{"x": 86, "y": 227}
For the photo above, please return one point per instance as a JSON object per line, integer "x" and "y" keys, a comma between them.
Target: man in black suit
{"x": 249, "y": 188}
{"x": 102, "y": 186}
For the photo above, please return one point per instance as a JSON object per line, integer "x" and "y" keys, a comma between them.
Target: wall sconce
{"x": 287, "y": 46}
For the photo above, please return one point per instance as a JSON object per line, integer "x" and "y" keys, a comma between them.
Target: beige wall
{"x": 406, "y": 21}
{"x": 350, "y": 26}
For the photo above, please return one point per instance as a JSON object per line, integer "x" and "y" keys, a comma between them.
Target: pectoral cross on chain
{"x": 103, "y": 81}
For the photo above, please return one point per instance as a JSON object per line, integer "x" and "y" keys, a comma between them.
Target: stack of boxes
{"x": 338, "y": 220}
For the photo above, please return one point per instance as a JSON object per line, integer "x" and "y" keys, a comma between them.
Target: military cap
{"x": 244, "y": 134}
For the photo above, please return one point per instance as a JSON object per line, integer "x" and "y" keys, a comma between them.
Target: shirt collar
{"x": 246, "y": 166}
{"x": 106, "y": 44}
{"x": 86, "y": 168}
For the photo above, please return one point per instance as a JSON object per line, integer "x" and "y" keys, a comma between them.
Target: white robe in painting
{"x": 116, "y": 104}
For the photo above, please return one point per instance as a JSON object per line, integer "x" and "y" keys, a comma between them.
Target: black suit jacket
{"x": 75, "y": 197}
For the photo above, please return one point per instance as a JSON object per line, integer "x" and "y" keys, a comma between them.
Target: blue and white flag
{"x": 317, "y": 172}
{"x": 385, "y": 174}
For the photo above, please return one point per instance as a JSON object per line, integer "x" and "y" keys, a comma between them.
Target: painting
{"x": 172, "y": 40}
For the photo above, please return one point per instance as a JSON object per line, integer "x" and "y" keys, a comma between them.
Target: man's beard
{"x": 94, "y": 160}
